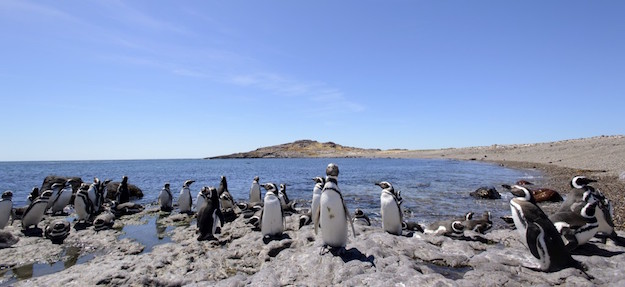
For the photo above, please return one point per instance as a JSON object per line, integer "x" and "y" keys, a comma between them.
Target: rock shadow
{"x": 33, "y": 232}
{"x": 81, "y": 225}
{"x": 591, "y": 249}
{"x": 269, "y": 238}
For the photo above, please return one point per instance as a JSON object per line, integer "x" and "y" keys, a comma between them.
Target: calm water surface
{"x": 432, "y": 188}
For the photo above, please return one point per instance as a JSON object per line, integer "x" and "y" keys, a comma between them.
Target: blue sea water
{"x": 432, "y": 188}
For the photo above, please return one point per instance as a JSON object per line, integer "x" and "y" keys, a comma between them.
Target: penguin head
{"x": 522, "y": 192}
{"x": 588, "y": 211}
{"x": 332, "y": 170}
{"x": 57, "y": 185}
{"x": 523, "y": 182}
{"x": 283, "y": 187}
{"x": 457, "y": 226}
{"x": 205, "y": 192}
{"x": 106, "y": 181}
{"x": 385, "y": 185}
{"x": 188, "y": 183}
{"x": 319, "y": 180}
{"x": 358, "y": 212}
{"x": 581, "y": 181}
{"x": 256, "y": 179}
{"x": 213, "y": 194}
{"x": 46, "y": 194}
{"x": 35, "y": 190}
{"x": 96, "y": 180}
{"x": 469, "y": 215}
{"x": 84, "y": 186}
{"x": 7, "y": 195}
{"x": 166, "y": 186}
{"x": 124, "y": 179}
{"x": 271, "y": 187}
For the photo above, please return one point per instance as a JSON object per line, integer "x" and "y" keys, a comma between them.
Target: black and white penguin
{"x": 202, "y": 197}
{"x": 34, "y": 194}
{"x": 361, "y": 218}
{"x": 63, "y": 197}
{"x": 104, "y": 220}
{"x": 184, "y": 200}
{"x": 225, "y": 198}
{"x": 255, "y": 192}
{"x": 445, "y": 227}
{"x": 209, "y": 216}
{"x": 82, "y": 204}
{"x": 305, "y": 219}
{"x": 284, "y": 198}
{"x": 333, "y": 214}
{"x": 576, "y": 228}
{"x": 538, "y": 233}
{"x": 580, "y": 190}
{"x": 123, "y": 192}
{"x": 57, "y": 231}
{"x": 480, "y": 225}
{"x": 6, "y": 208}
{"x": 35, "y": 211}
{"x": 314, "y": 208}
{"x": 7, "y": 239}
{"x": 165, "y": 199}
{"x": 93, "y": 195}
{"x": 271, "y": 219}
{"x": 103, "y": 192}
{"x": 390, "y": 208}
{"x": 56, "y": 189}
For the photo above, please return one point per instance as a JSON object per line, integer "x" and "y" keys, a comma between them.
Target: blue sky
{"x": 189, "y": 79}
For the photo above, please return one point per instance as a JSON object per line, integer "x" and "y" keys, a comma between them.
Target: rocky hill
{"x": 303, "y": 149}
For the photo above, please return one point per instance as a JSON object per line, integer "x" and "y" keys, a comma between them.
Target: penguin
{"x": 541, "y": 194}
{"x": 305, "y": 219}
{"x": 480, "y": 225}
{"x": 576, "y": 228}
{"x": 445, "y": 227}
{"x": 284, "y": 198}
{"x": 7, "y": 239}
{"x": 93, "y": 195}
{"x": 225, "y": 198}
{"x": 255, "y": 218}
{"x": 6, "y": 208}
{"x": 126, "y": 208}
{"x": 202, "y": 197}
{"x": 34, "y": 193}
{"x": 103, "y": 192}
{"x": 575, "y": 196}
{"x": 538, "y": 233}
{"x": 165, "y": 198}
{"x": 319, "y": 183}
{"x": 35, "y": 211}
{"x": 333, "y": 215}
{"x": 361, "y": 218}
{"x": 63, "y": 197}
{"x": 390, "y": 208}
{"x": 255, "y": 190}
{"x": 57, "y": 231}
{"x": 209, "y": 216}
{"x": 123, "y": 193}
{"x": 104, "y": 220}
{"x": 271, "y": 219}
{"x": 184, "y": 200}
{"x": 56, "y": 193}
{"x": 82, "y": 204}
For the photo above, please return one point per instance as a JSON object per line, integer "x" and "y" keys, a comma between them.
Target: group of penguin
{"x": 91, "y": 204}
{"x": 584, "y": 214}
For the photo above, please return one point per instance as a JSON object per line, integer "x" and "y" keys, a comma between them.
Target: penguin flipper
{"x": 532, "y": 233}
{"x": 349, "y": 218}
{"x": 316, "y": 219}
{"x": 221, "y": 217}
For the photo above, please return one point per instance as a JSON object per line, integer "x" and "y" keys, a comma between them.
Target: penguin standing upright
{"x": 209, "y": 216}
{"x": 56, "y": 193}
{"x": 35, "y": 211}
{"x": 390, "y": 208}
{"x": 82, "y": 204}
{"x": 6, "y": 206}
{"x": 123, "y": 193}
{"x": 361, "y": 218}
{"x": 255, "y": 191}
{"x": 165, "y": 198}
{"x": 93, "y": 195}
{"x": 184, "y": 200}
{"x": 63, "y": 198}
{"x": 271, "y": 219}
{"x": 225, "y": 198}
{"x": 284, "y": 198}
{"x": 538, "y": 233}
{"x": 333, "y": 214}
{"x": 202, "y": 197}
{"x": 319, "y": 183}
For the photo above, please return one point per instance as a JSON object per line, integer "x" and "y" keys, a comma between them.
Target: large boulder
{"x": 486, "y": 192}
{"x": 52, "y": 179}
{"x": 113, "y": 185}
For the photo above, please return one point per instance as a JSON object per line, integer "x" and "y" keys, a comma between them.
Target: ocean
{"x": 432, "y": 189}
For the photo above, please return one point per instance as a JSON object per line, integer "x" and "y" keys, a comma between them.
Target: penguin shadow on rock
{"x": 589, "y": 249}
{"x": 277, "y": 237}
{"x": 351, "y": 254}
{"x": 33, "y": 232}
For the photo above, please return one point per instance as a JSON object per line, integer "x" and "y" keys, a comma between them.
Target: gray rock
{"x": 486, "y": 192}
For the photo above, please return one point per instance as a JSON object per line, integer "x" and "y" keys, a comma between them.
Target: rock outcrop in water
{"x": 239, "y": 257}
{"x": 303, "y": 149}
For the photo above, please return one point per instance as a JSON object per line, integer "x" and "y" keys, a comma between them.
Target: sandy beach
{"x": 373, "y": 258}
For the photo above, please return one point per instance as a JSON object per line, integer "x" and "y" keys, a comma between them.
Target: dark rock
{"x": 52, "y": 179}
{"x": 112, "y": 190}
{"x": 486, "y": 192}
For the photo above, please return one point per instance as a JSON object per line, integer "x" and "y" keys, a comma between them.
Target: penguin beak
{"x": 378, "y": 184}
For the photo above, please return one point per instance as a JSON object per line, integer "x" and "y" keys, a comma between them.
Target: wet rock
{"x": 134, "y": 190}
{"x": 486, "y": 192}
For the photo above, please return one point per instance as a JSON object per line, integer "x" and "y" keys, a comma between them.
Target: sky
{"x": 88, "y": 80}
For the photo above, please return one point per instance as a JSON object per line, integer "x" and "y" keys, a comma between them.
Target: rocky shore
{"x": 121, "y": 256}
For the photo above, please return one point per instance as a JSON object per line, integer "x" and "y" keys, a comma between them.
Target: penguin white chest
{"x": 255, "y": 193}
{"x": 184, "y": 202}
{"x": 333, "y": 219}
{"x": 5, "y": 211}
{"x": 80, "y": 205}
{"x": 34, "y": 216}
{"x": 519, "y": 220}
{"x": 272, "y": 223}
{"x": 391, "y": 215}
